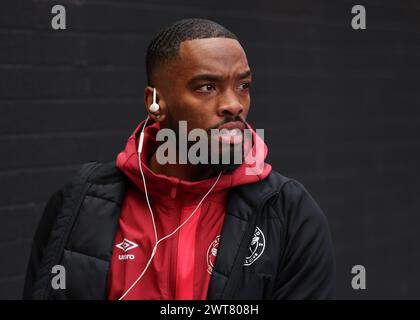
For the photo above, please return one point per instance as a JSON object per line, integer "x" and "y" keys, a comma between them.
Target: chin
{"x": 231, "y": 165}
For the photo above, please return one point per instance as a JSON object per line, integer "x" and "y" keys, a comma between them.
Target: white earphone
{"x": 154, "y": 107}
{"x": 157, "y": 241}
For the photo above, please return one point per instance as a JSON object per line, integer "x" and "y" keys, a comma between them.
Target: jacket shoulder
{"x": 290, "y": 194}
{"x": 282, "y": 183}
{"x": 270, "y": 185}
{"x": 102, "y": 172}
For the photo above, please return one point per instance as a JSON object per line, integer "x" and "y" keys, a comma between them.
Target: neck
{"x": 186, "y": 172}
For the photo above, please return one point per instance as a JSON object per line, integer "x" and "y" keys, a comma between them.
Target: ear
{"x": 159, "y": 115}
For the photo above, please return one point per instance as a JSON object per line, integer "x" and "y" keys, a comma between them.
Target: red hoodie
{"x": 182, "y": 265}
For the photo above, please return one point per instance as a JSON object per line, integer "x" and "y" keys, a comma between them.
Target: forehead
{"x": 220, "y": 55}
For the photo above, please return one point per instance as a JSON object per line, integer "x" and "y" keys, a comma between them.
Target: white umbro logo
{"x": 127, "y": 245}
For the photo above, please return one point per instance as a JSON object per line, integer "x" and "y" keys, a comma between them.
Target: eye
{"x": 245, "y": 86}
{"x": 207, "y": 88}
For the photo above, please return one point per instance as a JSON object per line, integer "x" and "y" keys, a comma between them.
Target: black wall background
{"x": 340, "y": 109}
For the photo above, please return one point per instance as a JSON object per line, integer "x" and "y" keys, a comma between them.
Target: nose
{"x": 230, "y": 105}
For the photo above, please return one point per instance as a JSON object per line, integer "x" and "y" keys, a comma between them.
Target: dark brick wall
{"x": 340, "y": 110}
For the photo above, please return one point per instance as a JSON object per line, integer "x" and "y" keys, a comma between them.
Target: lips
{"x": 231, "y": 132}
{"x": 232, "y": 125}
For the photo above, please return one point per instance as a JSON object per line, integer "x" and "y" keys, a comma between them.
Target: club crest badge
{"x": 256, "y": 247}
{"x": 212, "y": 253}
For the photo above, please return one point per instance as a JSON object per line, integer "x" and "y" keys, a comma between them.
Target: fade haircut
{"x": 165, "y": 45}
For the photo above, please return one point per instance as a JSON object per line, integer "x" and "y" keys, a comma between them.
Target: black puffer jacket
{"x": 275, "y": 219}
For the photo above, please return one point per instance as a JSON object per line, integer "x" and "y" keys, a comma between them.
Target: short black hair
{"x": 165, "y": 45}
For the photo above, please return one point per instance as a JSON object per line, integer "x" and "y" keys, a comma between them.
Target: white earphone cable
{"x": 152, "y": 215}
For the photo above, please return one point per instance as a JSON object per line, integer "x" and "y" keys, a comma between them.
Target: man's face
{"x": 208, "y": 84}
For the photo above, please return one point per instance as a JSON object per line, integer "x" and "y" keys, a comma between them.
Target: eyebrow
{"x": 215, "y": 78}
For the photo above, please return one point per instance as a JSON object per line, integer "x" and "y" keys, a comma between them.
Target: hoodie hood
{"x": 165, "y": 187}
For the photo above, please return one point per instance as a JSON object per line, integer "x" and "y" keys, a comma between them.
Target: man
{"x": 139, "y": 228}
